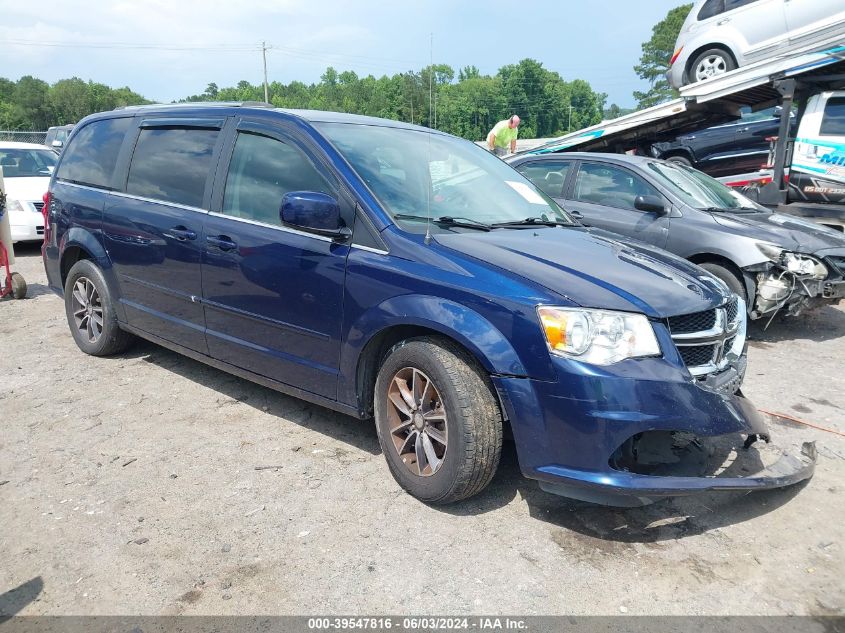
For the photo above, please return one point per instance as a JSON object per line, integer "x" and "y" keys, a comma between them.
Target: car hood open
{"x": 593, "y": 268}
{"x": 791, "y": 233}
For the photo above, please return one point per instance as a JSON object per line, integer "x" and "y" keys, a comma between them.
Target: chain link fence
{"x": 23, "y": 136}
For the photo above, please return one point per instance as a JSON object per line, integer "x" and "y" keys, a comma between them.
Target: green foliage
{"x": 657, "y": 53}
{"x": 32, "y": 104}
{"x": 465, "y": 103}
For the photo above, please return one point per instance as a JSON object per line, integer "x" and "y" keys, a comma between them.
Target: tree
{"x": 657, "y": 53}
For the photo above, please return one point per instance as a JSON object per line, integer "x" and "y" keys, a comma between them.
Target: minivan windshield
{"x": 416, "y": 175}
{"x": 27, "y": 163}
{"x": 699, "y": 190}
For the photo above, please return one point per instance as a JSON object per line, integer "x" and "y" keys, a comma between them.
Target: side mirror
{"x": 57, "y": 143}
{"x": 653, "y": 204}
{"x": 314, "y": 212}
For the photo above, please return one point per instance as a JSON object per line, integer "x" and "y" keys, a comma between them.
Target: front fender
{"x": 456, "y": 321}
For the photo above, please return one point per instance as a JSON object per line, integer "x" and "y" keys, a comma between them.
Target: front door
{"x": 152, "y": 229}
{"x": 811, "y": 19}
{"x": 273, "y": 295}
{"x": 604, "y": 195}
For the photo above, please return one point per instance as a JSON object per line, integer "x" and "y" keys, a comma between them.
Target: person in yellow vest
{"x": 503, "y": 136}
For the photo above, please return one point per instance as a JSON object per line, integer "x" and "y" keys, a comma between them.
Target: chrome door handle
{"x": 223, "y": 242}
{"x": 182, "y": 233}
{"x": 723, "y": 21}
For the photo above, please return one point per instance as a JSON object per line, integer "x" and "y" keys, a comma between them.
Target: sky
{"x": 169, "y": 49}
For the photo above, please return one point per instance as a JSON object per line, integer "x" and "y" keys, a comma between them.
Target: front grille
{"x": 39, "y": 206}
{"x": 695, "y": 322}
{"x": 696, "y": 355}
{"x": 731, "y": 309}
{"x": 39, "y": 230}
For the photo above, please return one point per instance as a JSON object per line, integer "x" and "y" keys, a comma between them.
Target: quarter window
{"x": 833, "y": 122}
{"x": 549, "y": 176}
{"x": 262, "y": 171}
{"x": 710, "y": 9}
{"x": 172, "y": 164}
{"x": 91, "y": 157}
{"x": 610, "y": 186}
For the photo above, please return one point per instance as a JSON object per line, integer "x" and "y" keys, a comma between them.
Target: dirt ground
{"x": 131, "y": 485}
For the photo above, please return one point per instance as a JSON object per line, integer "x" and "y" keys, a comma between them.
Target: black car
{"x": 726, "y": 150}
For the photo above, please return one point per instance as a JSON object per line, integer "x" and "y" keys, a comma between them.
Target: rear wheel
{"x": 438, "y": 422}
{"x": 680, "y": 160}
{"x": 90, "y": 311}
{"x": 711, "y": 63}
{"x": 729, "y": 277}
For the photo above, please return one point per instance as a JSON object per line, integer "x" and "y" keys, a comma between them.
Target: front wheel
{"x": 438, "y": 422}
{"x": 731, "y": 280}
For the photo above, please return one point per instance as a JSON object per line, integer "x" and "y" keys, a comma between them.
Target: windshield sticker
{"x": 527, "y": 192}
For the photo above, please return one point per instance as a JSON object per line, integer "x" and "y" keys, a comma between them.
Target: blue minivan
{"x": 393, "y": 272}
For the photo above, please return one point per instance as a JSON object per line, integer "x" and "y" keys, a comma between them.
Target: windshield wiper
{"x": 531, "y": 222}
{"x": 726, "y": 209}
{"x": 446, "y": 220}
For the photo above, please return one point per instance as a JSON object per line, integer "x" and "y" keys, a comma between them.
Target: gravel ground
{"x": 130, "y": 486}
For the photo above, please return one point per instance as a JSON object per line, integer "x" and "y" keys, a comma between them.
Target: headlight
{"x": 599, "y": 337}
{"x": 796, "y": 263}
{"x": 15, "y": 205}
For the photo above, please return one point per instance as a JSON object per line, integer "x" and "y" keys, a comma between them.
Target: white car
{"x": 721, "y": 35}
{"x": 27, "y": 168}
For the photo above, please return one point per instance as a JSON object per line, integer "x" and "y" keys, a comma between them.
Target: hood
{"x": 593, "y": 269}
{"x": 786, "y": 231}
{"x": 31, "y": 188}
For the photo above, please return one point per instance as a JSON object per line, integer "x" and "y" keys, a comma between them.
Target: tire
{"x": 469, "y": 411}
{"x": 86, "y": 286}
{"x": 679, "y": 160}
{"x": 18, "y": 286}
{"x": 733, "y": 282}
{"x": 711, "y": 63}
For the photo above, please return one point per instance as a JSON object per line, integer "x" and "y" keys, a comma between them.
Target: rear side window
{"x": 91, "y": 157}
{"x": 549, "y": 176}
{"x": 711, "y": 8}
{"x": 172, "y": 164}
{"x": 262, "y": 171}
{"x": 833, "y": 122}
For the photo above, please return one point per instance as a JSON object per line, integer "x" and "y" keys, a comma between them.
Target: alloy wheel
{"x": 417, "y": 421}
{"x": 87, "y": 309}
{"x": 711, "y": 66}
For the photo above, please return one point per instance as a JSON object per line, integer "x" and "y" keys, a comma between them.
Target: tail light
{"x": 675, "y": 56}
{"x": 45, "y": 211}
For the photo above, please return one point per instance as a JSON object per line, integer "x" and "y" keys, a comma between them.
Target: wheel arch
{"x": 704, "y": 47}
{"x": 411, "y": 316}
{"x": 725, "y": 262}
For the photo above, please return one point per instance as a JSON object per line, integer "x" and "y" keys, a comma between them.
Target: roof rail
{"x": 188, "y": 104}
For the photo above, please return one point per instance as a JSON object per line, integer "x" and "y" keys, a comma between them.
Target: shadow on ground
{"x": 666, "y": 520}
{"x": 360, "y": 434}
{"x": 822, "y": 324}
{"x": 14, "y": 600}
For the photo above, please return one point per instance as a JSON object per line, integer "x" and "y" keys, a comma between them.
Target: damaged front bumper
{"x": 640, "y": 430}
{"x": 781, "y": 289}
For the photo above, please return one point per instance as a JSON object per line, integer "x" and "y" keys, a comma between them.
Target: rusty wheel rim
{"x": 417, "y": 421}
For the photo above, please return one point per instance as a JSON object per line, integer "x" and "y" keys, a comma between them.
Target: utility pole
{"x": 569, "y": 127}
{"x": 266, "y": 87}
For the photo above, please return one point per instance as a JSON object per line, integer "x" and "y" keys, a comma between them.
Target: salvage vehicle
{"x": 393, "y": 272}
{"x": 773, "y": 261}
